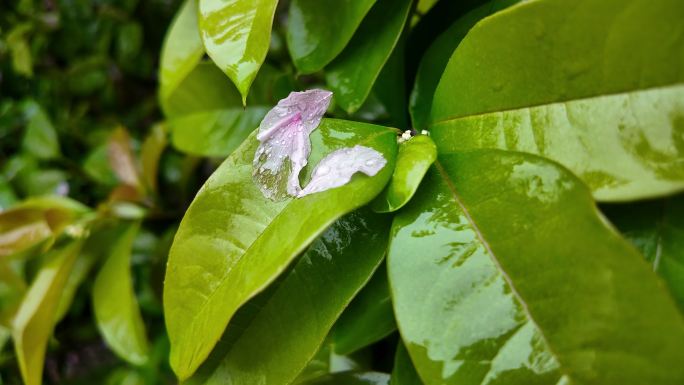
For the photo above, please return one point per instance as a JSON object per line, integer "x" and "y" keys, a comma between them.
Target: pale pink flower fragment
{"x": 284, "y": 142}
{"x": 337, "y": 169}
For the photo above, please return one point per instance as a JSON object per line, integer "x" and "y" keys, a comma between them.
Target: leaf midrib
{"x": 223, "y": 279}
{"x": 454, "y": 193}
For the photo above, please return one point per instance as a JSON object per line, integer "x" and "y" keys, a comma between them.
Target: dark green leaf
{"x": 369, "y": 318}
{"x": 413, "y": 160}
{"x": 233, "y": 241}
{"x": 308, "y": 300}
{"x": 505, "y": 272}
{"x": 352, "y": 74}
{"x": 351, "y": 378}
{"x": 318, "y": 30}
{"x": 236, "y": 35}
{"x": 583, "y": 95}
{"x": 404, "y": 373}
{"x": 657, "y": 229}
{"x": 116, "y": 308}
{"x": 437, "y": 56}
{"x": 40, "y": 139}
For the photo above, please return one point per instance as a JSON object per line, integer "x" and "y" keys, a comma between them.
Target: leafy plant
{"x": 494, "y": 197}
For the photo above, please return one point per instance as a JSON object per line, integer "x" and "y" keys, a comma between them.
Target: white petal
{"x": 285, "y": 147}
{"x": 337, "y": 169}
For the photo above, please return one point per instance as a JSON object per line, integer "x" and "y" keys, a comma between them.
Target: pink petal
{"x": 285, "y": 146}
{"x": 337, "y": 169}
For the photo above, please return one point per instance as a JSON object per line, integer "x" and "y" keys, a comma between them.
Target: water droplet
{"x": 370, "y": 162}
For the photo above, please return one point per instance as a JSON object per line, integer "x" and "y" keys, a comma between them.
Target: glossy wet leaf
{"x": 216, "y": 132}
{"x": 352, "y": 74}
{"x": 656, "y": 228}
{"x": 618, "y": 117}
{"x": 35, "y": 319}
{"x": 318, "y": 30}
{"x": 182, "y": 49}
{"x": 308, "y": 300}
{"x": 368, "y": 318}
{"x": 390, "y": 86}
{"x": 351, "y": 378}
{"x": 236, "y": 35}
{"x": 237, "y": 241}
{"x": 413, "y": 160}
{"x": 40, "y": 137}
{"x": 116, "y": 308}
{"x": 475, "y": 266}
{"x": 403, "y": 372}
{"x": 437, "y": 56}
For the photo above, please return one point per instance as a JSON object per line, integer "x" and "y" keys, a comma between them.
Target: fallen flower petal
{"x": 337, "y": 169}
{"x": 284, "y": 142}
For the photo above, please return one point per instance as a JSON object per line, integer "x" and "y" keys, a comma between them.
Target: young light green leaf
{"x": 413, "y": 160}
{"x": 656, "y": 228}
{"x": 35, "y": 319}
{"x": 116, "y": 308}
{"x": 216, "y": 132}
{"x": 368, "y": 319}
{"x": 309, "y": 299}
{"x": 403, "y": 372}
{"x": 236, "y": 35}
{"x": 150, "y": 155}
{"x": 474, "y": 267}
{"x": 352, "y": 74}
{"x": 318, "y": 30}
{"x": 581, "y": 95}
{"x": 233, "y": 241}
{"x": 437, "y": 56}
{"x": 182, "y": 50}
{"x": 205, "y": 88}
{"x": 36, "y": 220}
{"x": 40, "y": 139}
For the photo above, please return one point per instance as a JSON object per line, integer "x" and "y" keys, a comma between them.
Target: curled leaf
{"x": 337, "y": 169}
{"x": 284, "y": 142}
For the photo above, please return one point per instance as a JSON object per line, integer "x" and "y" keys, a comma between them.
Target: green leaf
{"x": 403, "y": 372}
{"x": 368, "y": 319}
{"x": 351, "y": 378}
{"x": 437, "y": 56}
{"x": 236, "y": 35}
{"x": 318, "y": 30}
{"x": 390, "y": 86}
{"x": 150, "y": 154}
{"x": 91, "y": 252}
{"x": 97, "y": 167}
{"x": 656, "y": 228}
{"x": 116, "y": 308}
{"x": 34, "y": 221}
{"x": 233, "y": 242}
{"x": 40, "y": 139}
{"x": 413, "y": 161}
{"x": 308, "y": 300}
{"x": 205, "y": 88}
{"x": 182, "y": 50}
{"x": 35, "y": 319}
{"x": 582, "y": 95}
{"x": 352, "y": 74}
{"x": 22, "y": 61}
{"x": 504, "y": 271}
{"x": 216, "y": 132}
